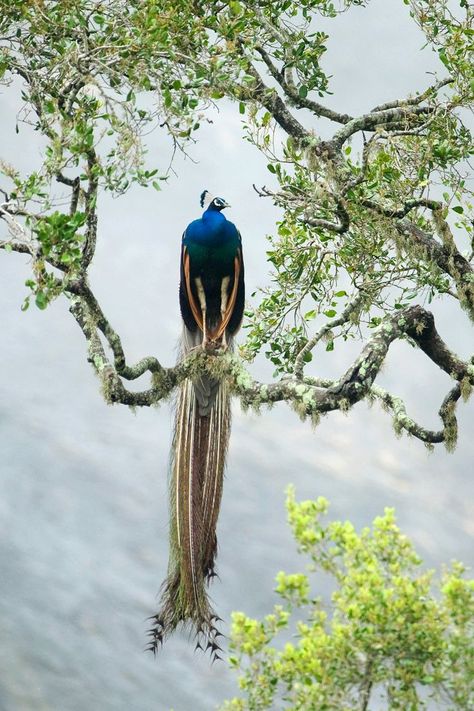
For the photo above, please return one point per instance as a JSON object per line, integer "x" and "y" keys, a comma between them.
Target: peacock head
{"x": 211, "y": 202}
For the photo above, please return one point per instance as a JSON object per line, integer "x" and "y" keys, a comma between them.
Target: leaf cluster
{"x": 374, "y": 218}
{"x": 391, "y": 629}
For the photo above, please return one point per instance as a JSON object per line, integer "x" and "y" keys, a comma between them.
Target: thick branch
{"x": 295, "y": 97}
{"x": 403, "y": 211}
{"x": 277, "y": 107}
{"x": 274, "y": 104}
{"x": 370, "y": 122}
{"x": 82, "y": 290}
{"x": 446, "y": 256}
{"x": 309, "y": 397}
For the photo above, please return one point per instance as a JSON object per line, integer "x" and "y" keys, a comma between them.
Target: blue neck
{"x": 212, "y": 213}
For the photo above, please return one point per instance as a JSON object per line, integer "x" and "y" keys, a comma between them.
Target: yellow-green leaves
{"x": 388, "y": 625}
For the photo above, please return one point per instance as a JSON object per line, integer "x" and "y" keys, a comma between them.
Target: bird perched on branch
{"x": 211, "y": 296}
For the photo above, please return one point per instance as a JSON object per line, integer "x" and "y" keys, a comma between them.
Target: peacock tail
{"x": 212, "y": 303}
{"x": 200, "y": 441}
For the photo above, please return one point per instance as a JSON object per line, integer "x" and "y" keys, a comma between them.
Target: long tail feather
{"x": 201, "y": 436}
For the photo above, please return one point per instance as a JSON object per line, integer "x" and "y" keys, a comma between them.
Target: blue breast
{"x": 211, "y": 230}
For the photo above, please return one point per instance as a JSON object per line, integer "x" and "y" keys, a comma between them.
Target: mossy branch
{"x": 309, "y": 397}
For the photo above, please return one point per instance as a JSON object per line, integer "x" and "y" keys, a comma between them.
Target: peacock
{"x": 211, "y": 297}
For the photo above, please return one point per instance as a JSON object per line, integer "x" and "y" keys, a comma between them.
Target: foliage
{"x": 374, "y": 219}
{"x": 392, "y": 630}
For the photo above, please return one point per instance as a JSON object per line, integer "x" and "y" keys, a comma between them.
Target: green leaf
{"x": 235, "y": 7}
{"x": 330, "y": 345}
{"x": 41, "y": 300}
{"x": 330, "y": 313}
{"x": 303, "y": 91}
{"x": 443, "y": 58}
{"x": 459, "y": 209}
{"x": 271, "y": 168}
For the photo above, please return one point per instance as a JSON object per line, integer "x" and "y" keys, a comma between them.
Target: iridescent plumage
{"x": 212, "y": 303}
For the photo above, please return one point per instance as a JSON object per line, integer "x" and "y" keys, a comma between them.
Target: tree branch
{"x": 392, "y": 117}
{"x": 270, "y": 99}
{"x": 366, "y": 684}
{"x": 295, "y": 97}
{"x": 308, "y": 396}
{"x": 91, "y": 210}
{"x": 337, "y": 227}
{"x": 416, "y": 240}
{"x": 75, "y": 184}
{"x": 21, "y": 242}
{"x": 82, "y": 290}
{"x": 414, "y": 100}
{"x": 445, "y": 256}
{"x": 401, "y": 212}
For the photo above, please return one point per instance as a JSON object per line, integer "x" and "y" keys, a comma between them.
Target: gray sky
{"x": 83, "y": 489}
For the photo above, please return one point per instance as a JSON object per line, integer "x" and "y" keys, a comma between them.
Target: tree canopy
{"x": 376, "y": 222}
{"x": 376, "y": 218}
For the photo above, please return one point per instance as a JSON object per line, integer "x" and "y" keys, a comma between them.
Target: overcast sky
{"x": 83, "y": 510}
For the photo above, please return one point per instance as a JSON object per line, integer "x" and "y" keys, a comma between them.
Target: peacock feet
{"x": 213, "y": 346}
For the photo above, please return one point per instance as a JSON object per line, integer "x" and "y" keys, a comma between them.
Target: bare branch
{"x": 414, "y": 100}
{"x": 22, "y": 241}
{"x": 75, "y": 184}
